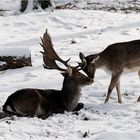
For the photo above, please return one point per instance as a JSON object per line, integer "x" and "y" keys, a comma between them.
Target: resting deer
{"x": 38, "y": 102}
{"x": 116, "y": 59}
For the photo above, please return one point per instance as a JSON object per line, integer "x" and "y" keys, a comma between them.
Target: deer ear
{"x": 81, "y": 56}
{"x": 95, "y": 59}
{"x": 69, "y": 71}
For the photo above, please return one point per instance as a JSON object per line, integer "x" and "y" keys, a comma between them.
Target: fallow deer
{"x": 116, "y": 59}
{"x": 38, "y": 102}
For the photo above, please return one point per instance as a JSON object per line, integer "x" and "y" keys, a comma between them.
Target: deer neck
{"x": 100, "y": 62}
{"x": 70, "y": 94}
{"x": 103, "y": 63}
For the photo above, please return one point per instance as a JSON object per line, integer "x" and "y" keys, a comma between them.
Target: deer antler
{"x": 49, "y": 54}
{"x": 83, "y": 64}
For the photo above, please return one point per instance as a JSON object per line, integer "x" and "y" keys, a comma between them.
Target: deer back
{"x": 120, "y": 57}
{"x": 31, "y": 102}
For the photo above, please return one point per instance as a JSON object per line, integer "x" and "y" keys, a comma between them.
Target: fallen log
{"x": 14, "y": 58}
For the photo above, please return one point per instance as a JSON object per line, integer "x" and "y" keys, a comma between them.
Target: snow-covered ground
{"x": 92, "y": 31}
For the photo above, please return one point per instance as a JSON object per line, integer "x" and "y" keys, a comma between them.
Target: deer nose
{"x": 90, "y": 81}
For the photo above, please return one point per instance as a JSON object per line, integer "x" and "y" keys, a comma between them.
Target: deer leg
{"x": 79, "y": 107}
{"x": 113, "y": 83}
{"x": 139, "y": 73}
{"x": 118, "y": 92}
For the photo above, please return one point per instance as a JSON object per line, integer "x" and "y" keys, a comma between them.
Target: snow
{"x": 92, "y": 31}
{"x": 15, "y": 51}
{"x": 2, "y": 63}
{"x": 9, "y": 4}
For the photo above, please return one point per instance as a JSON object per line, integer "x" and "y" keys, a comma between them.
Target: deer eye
{"x": 89, "y": 69}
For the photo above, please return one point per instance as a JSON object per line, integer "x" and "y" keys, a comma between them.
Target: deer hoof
{"x": 79, "y": 107}
{"x": 120, "y": 101}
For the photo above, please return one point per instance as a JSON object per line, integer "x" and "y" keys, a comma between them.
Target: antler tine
{"x": 49, "y": 54}
{"x": 82, "y": 65}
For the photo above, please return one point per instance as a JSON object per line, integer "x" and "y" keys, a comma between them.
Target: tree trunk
{"x": 24, "y": 4}
{"x": 36, "y": 4}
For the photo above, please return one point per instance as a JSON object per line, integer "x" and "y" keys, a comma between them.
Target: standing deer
{"x": 116, "y": 59}
{"x": 38, "y": 102}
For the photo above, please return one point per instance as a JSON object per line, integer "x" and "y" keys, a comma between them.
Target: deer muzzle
{"x": 90, "y": 81}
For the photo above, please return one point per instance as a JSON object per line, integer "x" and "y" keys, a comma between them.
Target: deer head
{"x": 88, "y": 64}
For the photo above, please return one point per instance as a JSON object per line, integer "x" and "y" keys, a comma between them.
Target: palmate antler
{"x": 49, "y": 54}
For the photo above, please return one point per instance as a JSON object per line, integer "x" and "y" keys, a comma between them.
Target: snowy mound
{"x": 15, "y": 51}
